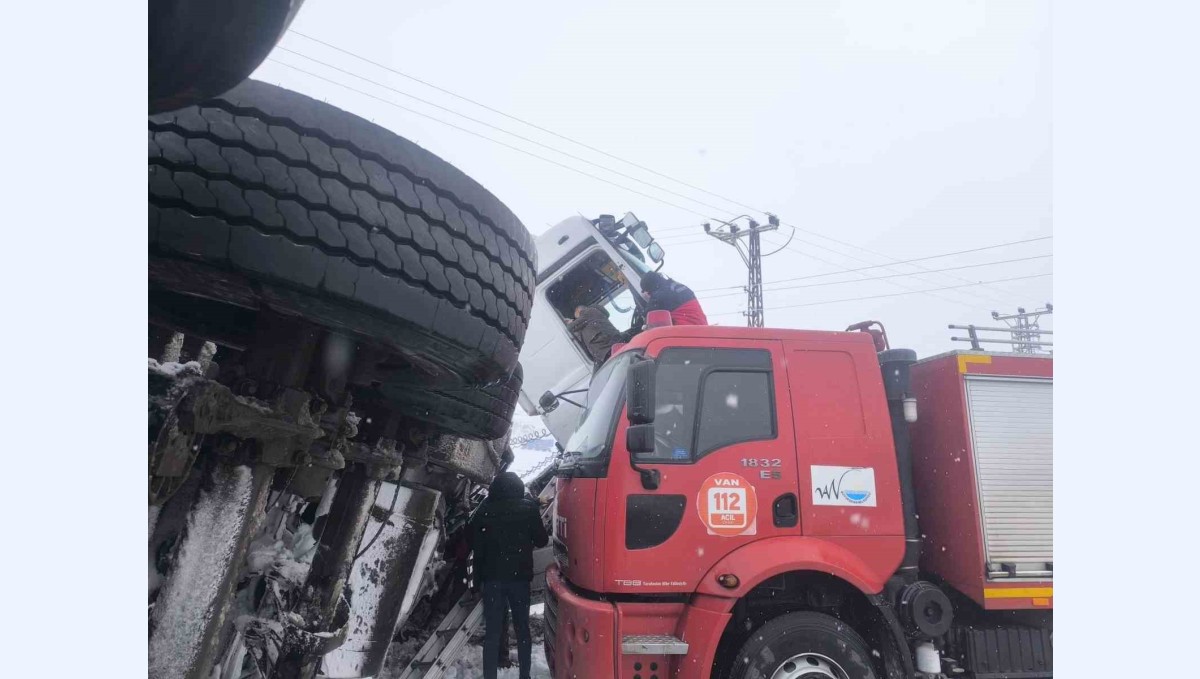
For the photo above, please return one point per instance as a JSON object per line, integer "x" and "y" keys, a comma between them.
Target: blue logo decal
{"x": 679, "y": 454}
{"x": 852, "y": 487}
{"x": 857, "y": 496}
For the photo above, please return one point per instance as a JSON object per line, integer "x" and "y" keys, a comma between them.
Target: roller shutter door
{"x": 1012, "y": 435}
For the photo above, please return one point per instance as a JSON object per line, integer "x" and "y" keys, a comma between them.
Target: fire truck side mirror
{"x": 639, "y": 392}
{"x": 639, "y": 438}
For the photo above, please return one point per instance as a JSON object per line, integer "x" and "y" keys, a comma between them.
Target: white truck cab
{"x": 581, "y": 262}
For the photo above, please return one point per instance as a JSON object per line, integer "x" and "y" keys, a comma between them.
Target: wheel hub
{"x": 809, "y": 666}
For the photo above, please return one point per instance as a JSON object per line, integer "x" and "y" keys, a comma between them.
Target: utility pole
{"x": 1026, "y": 333}
{"x": 731, "y": 234}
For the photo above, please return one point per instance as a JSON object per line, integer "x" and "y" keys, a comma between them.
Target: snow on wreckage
{"x": 335, "y": 318}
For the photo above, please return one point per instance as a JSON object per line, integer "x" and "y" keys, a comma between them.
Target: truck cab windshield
{"x": 632, "y": 254}
{"x": 592, "y": 440}
{"x": 597, "y": 282}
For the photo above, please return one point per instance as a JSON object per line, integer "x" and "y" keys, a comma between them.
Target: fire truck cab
{"x": 740, "y": 502}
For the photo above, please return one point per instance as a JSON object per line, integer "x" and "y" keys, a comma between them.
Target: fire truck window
{"x": 677, "y": 393}
{"x": 735, "y": 407}
{"x": 594, "y": 281}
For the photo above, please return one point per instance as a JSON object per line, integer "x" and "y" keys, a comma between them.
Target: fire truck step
{"x": 652, "y": 644}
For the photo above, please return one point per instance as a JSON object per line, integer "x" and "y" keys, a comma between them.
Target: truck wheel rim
{"x": 809, "y": 666}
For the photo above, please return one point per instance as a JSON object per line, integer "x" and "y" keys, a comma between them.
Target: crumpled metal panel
{"x": 191, "y": 608}
{"x": 386, "y": 579}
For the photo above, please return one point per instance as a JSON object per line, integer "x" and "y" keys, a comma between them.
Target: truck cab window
{"x": 594, "y": 282}
{"x": 735, "y": 407}
{"x": 731, "y": 386}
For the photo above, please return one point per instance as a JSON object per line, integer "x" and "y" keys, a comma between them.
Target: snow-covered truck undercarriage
{"x": 335, "y": 318}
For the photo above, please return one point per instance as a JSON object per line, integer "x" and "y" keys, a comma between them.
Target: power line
{"x": 487, "y": 138}
{"x": 573, "y": 141}
{"x": 544, "y": 159}
{"x": 520, "y": 120}
{"x": 887, "y": 267}
{"x": 501, "y": 129}
{"x": 877, "y": 278}
{"x": 693, "y": 242}
{"x": 841, "y": 268}
{"x": 520, "y": 150}
{"x": 895, "y": 294}
{"x": 879, "y": 266}
{"x": 785, "y": 244}
{"x": 539, "y": 157}
{"x": 550, "y": 148}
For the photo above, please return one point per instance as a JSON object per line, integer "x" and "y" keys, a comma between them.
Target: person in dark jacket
{"x": 504, "y": 532}
{"x": 665, "y": 294}
{"x": 594, "y": 331}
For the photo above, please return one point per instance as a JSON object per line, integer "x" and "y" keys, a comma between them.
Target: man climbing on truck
{"x": 665, "y": 294}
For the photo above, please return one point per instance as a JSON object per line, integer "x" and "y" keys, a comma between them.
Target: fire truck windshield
{"x": 592, "y": 441}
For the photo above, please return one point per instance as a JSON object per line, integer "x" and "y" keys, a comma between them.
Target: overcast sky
{"x": 909, "y": 129}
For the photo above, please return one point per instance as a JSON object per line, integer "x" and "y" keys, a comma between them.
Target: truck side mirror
{"x": 639, "y": 438}
{"x": 655, "y": 251}
{"x": 639, "y": 392}
{"x": 640, "y": 235}
{"x": 548, "y": 402}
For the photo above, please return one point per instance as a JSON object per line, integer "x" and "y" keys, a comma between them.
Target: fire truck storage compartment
{"x": 983, "y": 443}
{"x": 1011, "y": 436}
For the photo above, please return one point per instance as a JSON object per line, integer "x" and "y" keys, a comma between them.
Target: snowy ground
{"x": 470, "y": 665}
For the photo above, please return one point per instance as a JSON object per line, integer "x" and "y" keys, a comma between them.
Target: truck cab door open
{"x": 556, "y": 360}
{"x": 595, "y": 281}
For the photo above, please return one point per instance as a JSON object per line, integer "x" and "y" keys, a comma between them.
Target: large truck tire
{"x": 267, "y": 190}
{"x": 803, "y": 646}
{"x": 477, "y": 412}
{"x": 201, "y": 48}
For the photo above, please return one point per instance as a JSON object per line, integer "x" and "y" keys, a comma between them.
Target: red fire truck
{"x": 790, "y": 504}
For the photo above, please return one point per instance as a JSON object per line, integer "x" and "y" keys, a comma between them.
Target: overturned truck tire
{"x": 201, "y": 48}
{"x": 487, "y": 410}
{"x": 267, "y": 198}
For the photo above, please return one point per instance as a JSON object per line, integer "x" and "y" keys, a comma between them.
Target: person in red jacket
{"x": 667, "y": 295}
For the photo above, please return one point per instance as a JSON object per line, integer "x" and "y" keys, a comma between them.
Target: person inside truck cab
{"x": 592, "y": 329}
{"x": 664, "y": 294}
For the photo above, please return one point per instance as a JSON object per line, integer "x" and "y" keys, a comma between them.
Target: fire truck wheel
{"x": 266, "y": 197}
{"x": 804, "y": 646}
